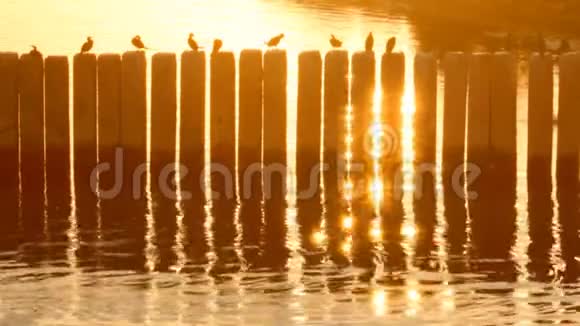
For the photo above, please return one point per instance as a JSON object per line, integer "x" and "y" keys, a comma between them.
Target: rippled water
{"x": 161, "y": 261}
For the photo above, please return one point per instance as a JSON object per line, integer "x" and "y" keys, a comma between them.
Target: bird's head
{"x": 281, "y": 35}
{"x": 190, "y": 35}
{"x": 34, "y": 47}
{"x": 89, "y": 38}
{"x": 137, "y": 37}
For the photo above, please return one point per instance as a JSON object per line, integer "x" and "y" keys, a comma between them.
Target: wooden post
{"x": 109, "y": 105}
{"x": 362, "y": 95}
{"x": 134, "y": 106}
{"x": 503, "y": 110}
{"x": 31, "y": 87}
{"x": 568, "y": 116}
{"x": 336, "y": 71}
{"x": 9, "y": 139}
{"x": 309, "y": 120}
{"x": 478, "y": 116}
{"x": 250, "y": 124}
{"x": 275, "y": 72}
{"x": 393, "y": 86}
{"x": 193, "y": 120}
{"x": 540, "y": 115}
{"x": 85, "y": 117}
{"x": 223, "y": 115}
{"x": 163, "y": 107}
{"x": 454, "y": 109}
{"x": 425, "y": 124}
{"x": 57, "y": 124}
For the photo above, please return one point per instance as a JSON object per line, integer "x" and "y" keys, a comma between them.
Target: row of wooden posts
{"x": 109, "y": 105}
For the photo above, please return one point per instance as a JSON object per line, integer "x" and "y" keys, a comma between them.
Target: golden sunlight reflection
{"x": 379, "y": 299}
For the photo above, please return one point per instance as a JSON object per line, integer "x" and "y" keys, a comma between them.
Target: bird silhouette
{"x": 217, "y": 45}
{"x": 192, "y": 43}
{"x": 334, "y": 42}
{"x": 88, "y": 45}
{"x": 35, "y": 51}
{"x": 391, "y": 45}
{"x": 370, "y": 42}
{"x": 274, "y": 41}
{"x": 136, "y": 41}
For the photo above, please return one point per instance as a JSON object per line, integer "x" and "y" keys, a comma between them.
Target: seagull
{"x": 34, "y": 51}
{"x": 370, "y": 42}
{"x": 192, "y": 43}
{"x": 336, "y": 43}
{"x": 136, "y": 41}
{"x": 88, "y": 45}
{"x": 217, "y": 45}
{"x": 274, "y": 41}
{"x": 391, "y": 44}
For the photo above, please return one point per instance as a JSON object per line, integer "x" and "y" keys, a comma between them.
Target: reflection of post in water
{"x": 56, "y": 81}
{"x": 31, "y": 87}
{"x": 393, "y": 84}
{"x": 425, "y": 143}
{"x": 222, "y": 129}
{"x": 250, "y": 153}
{"x": 334, "y": 151}
{"x": 492, "y": 147}
{"x": 275, "y": 162}
{"x": 163, "y": 124}
{"x": 567, "y": 163}
{"x": 308, "y": 170}
{"x": 454, "y": 113}
{"x": 540, "y": 208}
{"x": 362, "y": 95}
{"x": 9, "y": 196}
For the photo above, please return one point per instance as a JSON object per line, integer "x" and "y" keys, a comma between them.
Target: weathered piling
{"x": 336, "y": 70}
{"x": 275, "y": 72}
{"x": 192, "y": 133}
{"x": 393, "y": 86}
{"x": 478, "y": 108}
{"x": 163, "y": 107}
{"x": 223, "y": 125}
{"x": 362, "y": 96}
{"x": 568, "y": 116}
{"x": 503, "y": 110}
{"x": 109, "y": 105}
{"x": 57, "y": 125}
{"x": 454, "y": 109}
{"x": 9, "y": 138}
{"x": 31, "y": 88}
{"x": 309, "y": 124}
{"x": 425, "y": 123}
{"x": 540, "y": 114}
{"x": 250, "y": 124}
{"x": 133, "y": 136}
{"x": 85, "y": 116}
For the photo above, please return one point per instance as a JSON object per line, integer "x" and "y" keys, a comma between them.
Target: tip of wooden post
{"x": 246, "y": 52}
{"x": 134, "y": 54}
{"x": 164, "y": 55}
{"x": 56, "y": 59}
{"x": 30, "y": 56}
{"x": 8, "y": 55}
{"x": 337, "y": 54}
{"x": 314, "y": 54}
{"x": 276, "y": 51}
{"x": 109, "y": 56}
{"x": 192, "y": 55}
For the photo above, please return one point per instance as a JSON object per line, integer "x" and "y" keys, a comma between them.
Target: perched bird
{"x": 274, "y": 41}
{"x": 136, "y": 41}
{"x": 88, "y": 45}
{"x": 541, "y": 44}
{"x": 334, "y": 42}
{"x": 217, "y": 45}
{"x": 391, "y": 44}
{"x": 192, "y": 43}
{"x": 564, "y": 47}
{"x": 370, "y": 42}
{"x": 34, "y": 51}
